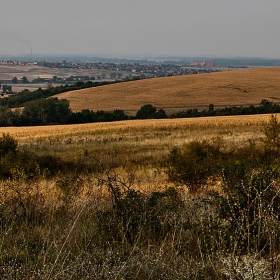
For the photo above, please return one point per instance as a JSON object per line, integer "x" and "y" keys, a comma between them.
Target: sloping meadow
{"x": 223, "y": 89}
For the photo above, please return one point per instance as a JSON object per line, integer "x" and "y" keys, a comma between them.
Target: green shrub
{"x": 272, "y": 134}
{"x": 193, "y": 164}
{"x": 137, "y": 217}
{"x": 7, "y": 145}
{"x": 163, "y": 212}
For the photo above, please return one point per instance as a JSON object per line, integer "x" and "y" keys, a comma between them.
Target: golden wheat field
{"x": 141, "y": 145}
{"x": 137, "y": 127}
{"x": 238, "y": 87}
{"x": 138, "y": 145}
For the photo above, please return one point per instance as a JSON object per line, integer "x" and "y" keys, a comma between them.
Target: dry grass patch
{"x": 138, "y": 147}
{"x": 240, "y": 87}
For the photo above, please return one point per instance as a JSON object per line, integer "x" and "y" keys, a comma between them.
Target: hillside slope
{"x": 238, "y": 87}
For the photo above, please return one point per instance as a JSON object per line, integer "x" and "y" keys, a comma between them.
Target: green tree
{"x": 15, "y": 80}
{"x": 147, "y": 111}
{"x": 119, "y": 115}
{"x": 24, "y": 80}
{"x": 6, "y": 116}
{"x": 160, "y": 114}
{"x": 46, "y": 111}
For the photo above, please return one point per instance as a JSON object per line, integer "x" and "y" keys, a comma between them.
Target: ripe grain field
{"x": 138, "y": 145}
{"x": 199, "y": 126}
{"x": 238, "y": 87}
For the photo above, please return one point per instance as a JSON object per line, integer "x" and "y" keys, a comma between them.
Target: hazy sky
{"x": 164, "y": 27}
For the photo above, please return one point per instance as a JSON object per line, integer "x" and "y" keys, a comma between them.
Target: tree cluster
{"x": 88, "y": 116}
{"x": 148, "y": 111}
{"x": 54, "y": 111}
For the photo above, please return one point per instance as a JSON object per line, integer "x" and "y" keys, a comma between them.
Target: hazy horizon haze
{"x": 148, "y": 27}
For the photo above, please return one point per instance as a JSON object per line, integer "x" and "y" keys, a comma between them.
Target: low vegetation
{"x": 157, "y": 199}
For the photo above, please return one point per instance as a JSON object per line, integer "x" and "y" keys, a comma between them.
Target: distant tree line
{"x": 54, "y": 111}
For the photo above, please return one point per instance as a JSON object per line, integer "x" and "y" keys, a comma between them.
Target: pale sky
{"x": 248, "y": 28}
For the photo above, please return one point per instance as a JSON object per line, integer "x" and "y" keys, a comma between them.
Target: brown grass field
{"x": 199, "y": 126}
{"x": 137, "y": 144}
{"x": 148, "y": 133}
{"x": 238, "y": 87}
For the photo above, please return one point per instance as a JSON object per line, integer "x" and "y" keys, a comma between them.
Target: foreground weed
{"x": 248, "y": 267}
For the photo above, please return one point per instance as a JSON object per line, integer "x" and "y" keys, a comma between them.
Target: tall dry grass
{"x": 198, "y": 125}
{"x": 128, "y": 145}
{"x": 71, "y": 227}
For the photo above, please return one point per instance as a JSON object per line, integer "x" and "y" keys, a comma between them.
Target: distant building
{"x": 203, "y": 63}
{"x": 193, "y": 63}
{"x": 209, "y": 63}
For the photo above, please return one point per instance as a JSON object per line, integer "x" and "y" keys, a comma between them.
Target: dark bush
{"x": 8, "y": 154}
{"x": 7, "y": 145}
{"x": 140, "y": 218}
{"x": 193, "y": 165}
{"x": 272, "y": 135}
{"x": 136, "y": 216}
{"x": 149, "y": 111}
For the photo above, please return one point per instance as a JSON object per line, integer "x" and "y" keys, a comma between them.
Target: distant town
{"x": 29, "y": 73}
{"x": 106, "y": 71}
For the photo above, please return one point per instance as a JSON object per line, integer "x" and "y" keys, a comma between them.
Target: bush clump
{"x": 137, "y": 217}
{"x": 193, "y": 164}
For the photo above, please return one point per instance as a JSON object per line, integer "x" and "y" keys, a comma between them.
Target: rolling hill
{"x": 237, "y": 87}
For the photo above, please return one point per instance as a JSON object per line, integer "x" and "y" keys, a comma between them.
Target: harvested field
{"x": 240, "y": 87}
{"x": 7, "y": 72}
